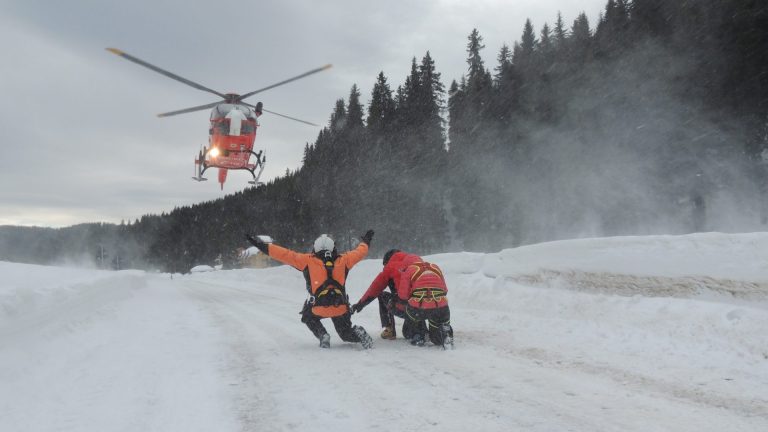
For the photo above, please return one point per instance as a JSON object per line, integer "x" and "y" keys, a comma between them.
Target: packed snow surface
{"x": 623, "y": 334}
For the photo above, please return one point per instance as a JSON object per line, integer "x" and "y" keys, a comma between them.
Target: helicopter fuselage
{"x": 231, "y": 136}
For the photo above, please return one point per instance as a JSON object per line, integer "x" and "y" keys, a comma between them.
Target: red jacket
{"x": 390, "y": 273}
{"x": 422, "y": 285}
{"x": 403, "y": 270}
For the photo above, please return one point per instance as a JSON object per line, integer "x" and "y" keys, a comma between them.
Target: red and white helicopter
{"x": 233, "y": 126}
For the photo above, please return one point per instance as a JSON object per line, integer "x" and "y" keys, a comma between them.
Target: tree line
{"x": 653, "y": 120}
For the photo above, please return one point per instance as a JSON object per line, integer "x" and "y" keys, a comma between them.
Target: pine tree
{"x": 506, "y": 88}
{"x": 456, "y": 110}
{"x": 473, "y": 111}
{"x": 546, "y": 44}
{"x": 479, "y": 84}
{"x": 339, "y": 117}
{"x": 410, "y": 109}
{"x": 381, "y": 110}
{"x": 580, "y": 41}
{"x": 610, "y": 35}
{"x": 430, "y": 101}
{"x": 505, "y": 61}
{"x": 475, "y": 62}
{"x": 354, "y": 109}
{"x": 559, "y": 33}
{"x": 528, "y": 40}
{"x": 430, "y": 157}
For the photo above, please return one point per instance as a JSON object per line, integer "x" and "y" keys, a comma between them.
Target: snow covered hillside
{"x": 620, "y": 334}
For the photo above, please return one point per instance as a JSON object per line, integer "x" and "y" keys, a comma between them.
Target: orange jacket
{"x": 316, "y": 274}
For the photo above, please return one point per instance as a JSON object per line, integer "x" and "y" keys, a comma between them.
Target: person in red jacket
{"x": 325, "y": 271}
{"x": 390, "y": 305}
{"x": 421, "y": 294}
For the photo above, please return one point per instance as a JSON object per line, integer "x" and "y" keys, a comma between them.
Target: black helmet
{"x": 388, "y": 255}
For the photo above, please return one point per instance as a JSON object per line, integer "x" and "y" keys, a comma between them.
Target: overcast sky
{"x": 81, "y": 139}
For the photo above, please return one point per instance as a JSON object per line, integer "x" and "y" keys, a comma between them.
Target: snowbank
{"x": 27, "y": 291}
{"x": 696, "y": 264}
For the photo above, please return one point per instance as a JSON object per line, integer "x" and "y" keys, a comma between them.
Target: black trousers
{"x": 342, "y": 323}
{"x": 434, "y": 318}
{"x": 388, "y": 311}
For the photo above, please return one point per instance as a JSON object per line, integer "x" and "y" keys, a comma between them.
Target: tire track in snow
{"x": 693, "y": 394}
{"x": 613, "y": 388}
{"x": 649, "y": 286}
{"x": 229, "y": 309}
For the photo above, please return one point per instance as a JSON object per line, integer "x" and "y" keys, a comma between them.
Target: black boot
{"x": 365, "y": 339}
{"x": 447, "y": 333}
{"x": 417, "y": 339}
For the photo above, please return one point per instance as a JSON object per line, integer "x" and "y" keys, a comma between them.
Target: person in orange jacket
{"x": 325, "y": 271}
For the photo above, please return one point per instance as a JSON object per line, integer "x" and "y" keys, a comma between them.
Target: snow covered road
{"x": 540, "y": 347}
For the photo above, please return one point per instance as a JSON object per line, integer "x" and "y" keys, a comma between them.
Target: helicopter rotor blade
{"x": 282, "y": 115}
{"x": 164, "y": 72}
{"x": 290, "y": 118}
{"x": 316, "y": 70}
{"x": 189, "y": 110}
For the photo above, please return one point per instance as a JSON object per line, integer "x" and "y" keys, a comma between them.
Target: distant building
{"x": 254, "y": 258}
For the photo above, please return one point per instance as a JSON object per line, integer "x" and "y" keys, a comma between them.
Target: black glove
{"x": 357, "y": 307}
{"x": 366, "y": 238}
{"x": 259, "y": 243}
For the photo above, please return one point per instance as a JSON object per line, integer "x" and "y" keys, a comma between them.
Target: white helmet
{"x": 323, "y": 243}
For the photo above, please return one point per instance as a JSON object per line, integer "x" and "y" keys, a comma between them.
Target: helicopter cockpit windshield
{"x": 233, "y": 120}
{"x": 222, "y": 110}
{"x": 236, "y": 119}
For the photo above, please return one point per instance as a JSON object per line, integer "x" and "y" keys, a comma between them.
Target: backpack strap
{"x": 435, "y": 295}
{"x": 330, "y": 292}
{"x": 424, "y": 267}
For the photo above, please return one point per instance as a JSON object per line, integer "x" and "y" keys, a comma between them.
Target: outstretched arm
{"x": 258, "y": 242}
{"x": 356, "y": 255}
{"x": 287, "y": 256}
{"x": 377, "y": 287}
{"x": 279, "y": 253}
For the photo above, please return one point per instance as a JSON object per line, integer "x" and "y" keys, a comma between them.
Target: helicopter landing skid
{"x": 259, "y": 164}
{"x": 200, "y": 167}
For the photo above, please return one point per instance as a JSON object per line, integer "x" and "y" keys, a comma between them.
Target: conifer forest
{"x": 653, "y": 120}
